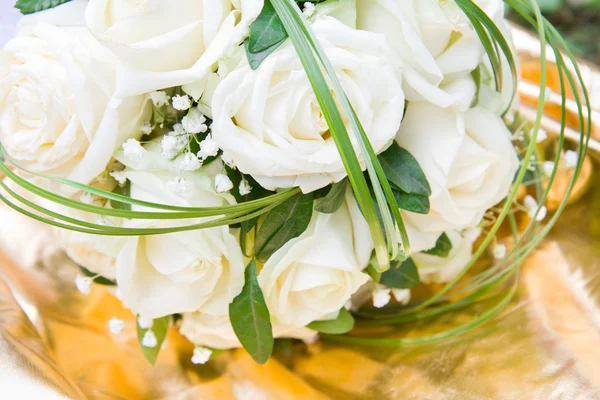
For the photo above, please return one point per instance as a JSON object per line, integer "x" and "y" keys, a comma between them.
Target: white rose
{"x": 270, "y": 123}
{"x": 215, "y": 331}
{"x": 436, "y": 42}
{"x": 57, "y": 112}
{"x": 433, "y": 269}
{"x": 313, "y": 276}
{"x": 468, "y": 159}
{"x": 163, "y": 44}
{"x": 179, "y": 272}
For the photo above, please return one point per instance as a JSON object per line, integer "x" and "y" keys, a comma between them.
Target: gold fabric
{"x": 55, "y": 342}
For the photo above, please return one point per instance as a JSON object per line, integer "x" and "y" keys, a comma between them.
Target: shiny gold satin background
{"x": 55, "y": 343}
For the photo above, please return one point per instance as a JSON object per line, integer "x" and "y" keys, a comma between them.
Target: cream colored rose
{"x": 270, "y": 123}
{"x": 313, "y": 276}
{"x": 434, "y": 269}
{"x": 468, "y": 159}
{"x": 57, "y": 112}
{"x": 436, "y": 42}
{"x": 215, "y": 331}
{"x": 165, "y": 44}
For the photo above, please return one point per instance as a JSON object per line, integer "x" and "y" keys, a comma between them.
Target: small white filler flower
{"x": 159, "y": 98}
{"x": 223, "y": 183}
{"x": 84, "y": 284}
{"x": 133, "y": 149}
{"x": 201, "y": 355}
{"x": 116, "y": 326}
{"x": 381, "y": 297}
{"x": 181, "y": 103}
{"x": 245, "y": 188}
{"x": 149, "y": 340}
{"x": 194, "y": 122}
{"x": 145, "y": 323}
{"x": 532, "y": 205}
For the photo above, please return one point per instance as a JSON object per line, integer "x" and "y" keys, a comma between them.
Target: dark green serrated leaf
{"x": 160, "y": 328}
{"x": 123, "y": 190}
{"x": 283, "y": 223}
{"x": 33, "y": 6}
{"x": 251, "y": 320}
{"x": 442, "y": 247}
{"x": 266, "y": 35}
{"x": 99, "y": 280}
{"x": 342, "y": 324}
{"x": 404, "y": 171}
{"x": 334, "y": 199}
{"x": 412, "y": 202}
{"x": 403, "y": 275}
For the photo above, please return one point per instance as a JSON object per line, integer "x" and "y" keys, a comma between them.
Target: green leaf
{"x": 442, "y": 247}
{"x": 100, "y": 280}
{"x": 251, "y": 320}
{"x": 403, "y": 275}
{"x": 404, "y": 171}
{"x": 342, "y": 324}
{"x": 412, "y": 202}
{"x": 283, "y": 223}
{"x": 122, "y": 190}
{"x": 33, "y": 6}
{"x": 266, "y": 35}
{"x": 160, "y": 328}
{"x": 334, "y": 199}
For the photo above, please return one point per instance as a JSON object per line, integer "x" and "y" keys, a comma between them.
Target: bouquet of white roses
{"x": 256, "y": 169}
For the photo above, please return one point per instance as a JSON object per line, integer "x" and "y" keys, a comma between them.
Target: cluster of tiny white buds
{"x": 133, "y": 150}
{"x": 223, "y": 183}
{"x": 500, "y": 251}
{"x": 245, "y": 188}
{"x": 145, "y": 323}
{"x": 541, "y": 136}
{"x": 381, "y": 297}
{"x": 146, "y": 128}
{"x": 178, "y": 130}
{"x": 116, "y": 326}
{"x": 531, "y": 205}
{"x": 309, "y": 9}
{"x": 119, "y": 176}
{"x": 172, "y": 145}
{"x": 159, "y": 98}
{"x": 180, "y": 186}
{"x": 548, "y": 167}
{"x": 571, "y": 157}
{"x": 228, "y": 160}
{"x": 194, "y": 122}
{"x": 84, "y": 284}
{"x": 181, "y": 103}
{"x": 190, "y": 162}
{"x": 201, "y": 355}
{"x": 208, "y": 148}
{"x": 402, "y": 296}
{"x": 149, "y": 340}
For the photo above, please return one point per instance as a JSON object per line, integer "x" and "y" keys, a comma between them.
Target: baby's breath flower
{"x": 245, "y": 188}
{"x": 194, "y": 122}
{"x": 190, "y": 162}
{"x": 145, "y": 323}
{"x": 116, "y": 326}
{"x": 146, "y": 128}
{"x": 548, "y": 167}
{"x": 159, "y": 98}
{"x": 201, "y": 355}
{"x": 309, "y": 9}
{"x": 223, "y": 183}
{"x": 172, "y": 145}
{"x": 149, "y": 340}
{"x": 84, "y": 284}
{"x": 181, "y": 103}
{"x": 381, "y": 297}
{"x": 571, "y": 157}
{"x": 208, "y": 148}
{"x": 226, "y": 158}
{"x": 177, "y": 130}
{"x": 133, "y": 149}
{"x": 499, "y": 251}
{"x": 402, "y": 296}
{"x": 532, "y": 206}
